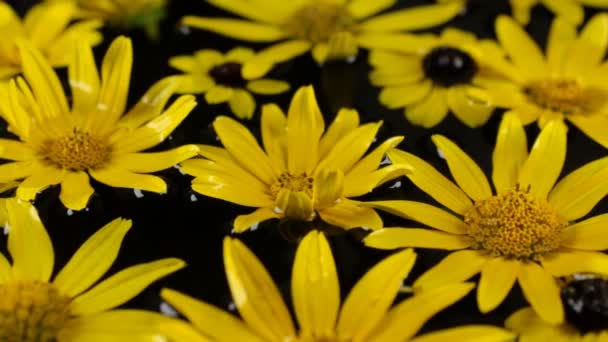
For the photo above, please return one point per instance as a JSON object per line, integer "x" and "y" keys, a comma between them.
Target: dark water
{"x": 190, "y": 226}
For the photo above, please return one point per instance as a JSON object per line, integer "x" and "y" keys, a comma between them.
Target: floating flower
{"x": 570, "y": 10}
{"x": 587, "y": 317}
{"x": 71, "y": 307}
{"x": 219, "y": 77}
{"x": 59, "y": 145}
{"x": 430, "y": 75}
{"x": 48, "y": 28}
{"x": 364, "y": 316}
{"x": 525, "y": 232}
{"x": 125, "y": 14}
{"x": 330, "y": 29}
{"x": 569, "y": 82}
{"x": 301, "y": 172}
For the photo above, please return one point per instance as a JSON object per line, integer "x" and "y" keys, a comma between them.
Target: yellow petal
{"x": 244, "y": 222}
{"x": 430, "y": 111}
{"x": 177, "y": 330}
{"x": 569, "y": 10}
{"x": 235, "y": 28}
{"x": 390, "y": 238}
{"x": 590, "y": 234}
{"x": 542, "y": 292}
{"x": 398, "y": 51}
{"x": 304, "y": 128}
{"x": 469, "y": 333}
{"x": 327, "y": 188}
{"x": 252, "y": 10}
{"x": 184, "y": 63}
{"x": 320, "y": 51}
{"x": 5, "y": 270}
{"x": 83, "y": 79}
{"x": 370, "y": 299}
{"x": 349, "y": 214}
{"x": 15, "y": 150}
{"x": 592, "y": 126}
{"x": 115, "y": 325}
{"x": 28, "y": 243}
{"x": 497, "y": 278}
{"x": 465, "y": 171}
{"x": 588, "y": 51}
{"x": 154, "y": 161}
{"x": 416, "y": 310}
{"x": 509, "y": 154}
{"x": 566, "y": 262}
{"x": 93, "y": 259}
{"x": 239, "y": 54}
{"x": 193, "y": 83}
{"x": 470, "y": 111}
{"x": 423, "y": 213}
{"x": 429, "y": 180}
{"x": 244, "y": 148}
{"x": 18, "y": 170}
{"x": 399, "y": 96}
{"x": 156, "y": 130}
{"x": 115, "y": 79}
{"x": 51, "y": 19}
{"x": 546, "y": 159}
{"x": 123, "y": 286}
{"x": 75, "y": 190}
{"x": 346, "y": 121}
{"x": 274, "y": 135}
{"x": 218, "y": 94}
{"x": 209, "y": 320}
{"x": 361, "y": 8}
{"x": 255, "y": 294}
{"x": 44, "y": 82}
{"x": 242, "y": 104}
{"x": 418, "y": 17}
{"x": 218, "y": 184}
{"x": 38, "y": 181}
{"x": 457, "y": 266}
{"x": 561, "y": 36}
{"x": 522, "y": 50}
{"x": 265, "y": 59}
{"x": 315, "y": 286}
{"x": 294, "y": 205}
{"x": 124, "y": 179}
{"x": 151, "y": 104}
{"x": 267, "y": 86}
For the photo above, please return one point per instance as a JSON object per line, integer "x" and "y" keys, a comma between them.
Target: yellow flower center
{"x": 319, "y": 20}
{"x": 32, "y": 312}
{"x": 295, "y": 183}
{"x": 565, "y": 96}
{"x": 514, "y": 224}
{"x": 77, "y": 152}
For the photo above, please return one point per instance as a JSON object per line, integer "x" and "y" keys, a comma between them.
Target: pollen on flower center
{"x": 295, "y": 183}
{"x": 319, "y": 20}
{"x": 514, "y": 224}
{"x": 78, "y": 151}
{"x": 565, "y": 96}
{"x": 32, "y": 312}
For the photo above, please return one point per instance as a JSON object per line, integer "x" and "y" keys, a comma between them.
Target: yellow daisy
{"x": 570, "y": 10}
{"x": 59, "y": 145}
{"x": 71, "y": 307}
{"x": 124, "y": 14}
{"x": 569, "y": 81}
{"x": 48, "y": 28}
{"x": 526, "y": 231}
{"x": 586, "y": 320}
{"x": 430, "y": 75}
{"x": 328, "y": 28}
{"x": 302, "y": 170}
{"x": 219, "y": 77}
{"x": 365, "y": 315}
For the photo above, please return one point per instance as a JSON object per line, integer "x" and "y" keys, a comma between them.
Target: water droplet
{"x": 138, "y": 193}
{"x": 167, "y": 310}
{"x": 397, "y": 185}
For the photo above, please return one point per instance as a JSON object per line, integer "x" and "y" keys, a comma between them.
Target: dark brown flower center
{"x": 586, "y": 303}
{"x": 447, "y": 66}
{"x": 228, "y": 74}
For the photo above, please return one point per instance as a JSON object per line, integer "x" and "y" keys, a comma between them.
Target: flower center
{"x": 586, "y": 304}
{"x": 228, "y": 74}
{"x": 447, "y": 66}
{"x": 514, "y": 224}
{"x": 76, "y": 152}
{"x": 319, "y": 20}
{"x": 32, "y": 312}
{"x": 294, "y": 183}
{"x": 565, "y": 96}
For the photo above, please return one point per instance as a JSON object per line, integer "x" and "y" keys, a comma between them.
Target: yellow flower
{"x": 301, "y": 171}
{"x": 524, "y": 232}
{"x": 59, "y": 145}
{"x": 568, "y": 82}
{"x": 330, "y": 28}
{"x": 47, "y": 27}
{"x": 123, "y": 13}
{"x": 570, "y": 10}
{"x": 71, "y": 307}
{"x": 365, "y": 315}
{"x": 430, "y": 75}
{"x": 219, "y": 77}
